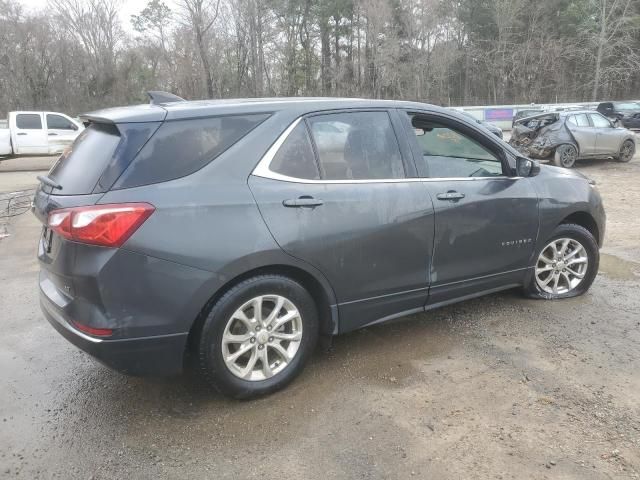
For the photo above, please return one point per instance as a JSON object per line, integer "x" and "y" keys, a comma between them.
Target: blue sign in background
{"x": 498, "y": 114}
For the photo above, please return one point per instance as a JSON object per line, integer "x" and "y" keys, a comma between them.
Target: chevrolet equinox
{"x": 242, "y": 231}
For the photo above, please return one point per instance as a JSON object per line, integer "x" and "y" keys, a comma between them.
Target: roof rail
{"x": 158, "y": 97}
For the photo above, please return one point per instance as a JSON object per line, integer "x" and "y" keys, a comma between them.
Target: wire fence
{"x": 15, "y": 203}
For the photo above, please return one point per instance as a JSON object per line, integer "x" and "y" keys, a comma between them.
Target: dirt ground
{"x": 499, "y": 387}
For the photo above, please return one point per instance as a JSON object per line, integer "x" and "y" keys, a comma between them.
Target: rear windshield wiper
{"x": 47, "y": 181}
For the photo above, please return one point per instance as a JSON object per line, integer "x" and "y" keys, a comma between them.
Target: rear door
{"x": 28, "y": 133}
{"x": 334, "y": 192}
{"x": 61, "y": 132}
{"x": 486, "y": 222}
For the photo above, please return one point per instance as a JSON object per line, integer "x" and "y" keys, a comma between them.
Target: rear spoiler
{"x": 150, "y": 112}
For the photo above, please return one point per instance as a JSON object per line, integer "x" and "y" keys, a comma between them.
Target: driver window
{"x": 56, "y": 122}
{"x": 449, "y": 153}
{"x": 579, "y": 120}
{"x": 599, "y": 121}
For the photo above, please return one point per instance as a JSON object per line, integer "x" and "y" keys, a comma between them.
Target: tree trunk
{"x": 601, "y": 40}
{"x": 208, "y": 78}
{"x": 325, "y": 63}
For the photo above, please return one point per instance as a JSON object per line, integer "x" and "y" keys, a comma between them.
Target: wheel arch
{"x": 571, "y": 142}
{"x": 585, "y": 220}
{"x": 319, "y": 290}
{"x": 630, "y": 138}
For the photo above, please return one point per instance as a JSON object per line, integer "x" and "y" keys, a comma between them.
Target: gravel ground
{"x": 498, "y": 387}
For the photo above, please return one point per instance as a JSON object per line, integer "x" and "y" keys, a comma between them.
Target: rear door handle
{"x": 21, "y": 133}
{"x": 450, "y": 196}
{"x": 304, "y": 201}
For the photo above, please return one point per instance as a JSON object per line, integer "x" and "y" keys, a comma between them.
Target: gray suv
{"x": 237, "y": 233}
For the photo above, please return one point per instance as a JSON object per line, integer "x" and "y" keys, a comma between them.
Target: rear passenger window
{"x": 295, "y": 157}
{"x": 29, "y": 121}
{"x": 356, "y": 146}
{"x": 181, "y": 147}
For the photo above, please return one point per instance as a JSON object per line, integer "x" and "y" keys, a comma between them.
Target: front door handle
{"x": 304, "y": 201}
{"x": 21, "y": 133}
{"x": 450, "y": 195}
{"x": 52, "y": 134}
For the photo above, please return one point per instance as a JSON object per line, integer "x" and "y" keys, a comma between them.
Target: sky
{"x": 127, "y": 8}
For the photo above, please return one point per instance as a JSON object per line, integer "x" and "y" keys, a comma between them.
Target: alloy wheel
{"x": 262, "y": 337}
{"x": 627, "y": 151}
{"x": 561, "y": 266}
{"x": 568, "y": 156}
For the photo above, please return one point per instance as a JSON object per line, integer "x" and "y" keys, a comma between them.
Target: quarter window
{"x": 356, "y": 146}
{"x": 449, "y": 153}
{"x": 599, "y": 121}
{"x": 181, "y": 147}
{"x": 29, "y": 121}
{"x": 56, "y": 122}
{"x": 295, "y": 157}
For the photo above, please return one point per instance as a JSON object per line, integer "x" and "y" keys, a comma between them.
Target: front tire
{"x": 565, "y": 156}
{"x": 566, "y": 265}
{"x": 627, "y": 151}
{"x": 258, "y": 336}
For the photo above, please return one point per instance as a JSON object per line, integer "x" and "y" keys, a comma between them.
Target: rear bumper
{"x": 158, "y": 355}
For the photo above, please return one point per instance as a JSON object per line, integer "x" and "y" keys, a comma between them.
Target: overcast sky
{"x": 127, "y": 8}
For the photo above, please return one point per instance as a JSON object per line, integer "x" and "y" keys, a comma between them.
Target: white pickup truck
{"x": 37, "y": 133}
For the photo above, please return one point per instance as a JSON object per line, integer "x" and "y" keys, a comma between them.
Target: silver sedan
{"x": 564, "y": 137}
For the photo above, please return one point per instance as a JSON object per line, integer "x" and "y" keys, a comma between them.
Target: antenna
{"x": 158, "y": 97}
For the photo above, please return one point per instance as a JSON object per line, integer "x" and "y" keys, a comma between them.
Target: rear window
{"x": 181, "y": 147}
{"x": 81, "y": 165}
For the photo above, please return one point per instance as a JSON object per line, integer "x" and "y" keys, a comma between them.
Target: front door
{"x": 583, "y": 133}
{"x": 608, "y": 138}
{"x": 486, "y": 222}
{"x": 335, "y": 195}
{"x": 28, "y": 135}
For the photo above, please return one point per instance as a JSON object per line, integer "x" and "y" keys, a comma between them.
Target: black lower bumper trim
{"x": 159, "y": 355}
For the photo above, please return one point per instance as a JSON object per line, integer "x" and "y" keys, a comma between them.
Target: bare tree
{"x": 96, "y": 25}
{"x": 75, "y": 55}
{"x": 201, "y": 16}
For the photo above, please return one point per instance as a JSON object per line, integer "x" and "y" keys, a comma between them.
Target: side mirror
{"x": 525, "y": 167}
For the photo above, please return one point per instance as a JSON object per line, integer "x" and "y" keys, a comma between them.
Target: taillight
{"x": 105, "y": 225}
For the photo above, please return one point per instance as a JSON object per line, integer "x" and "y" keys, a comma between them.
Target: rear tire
{"x": 627, "y": 151}
{"x": 565, "y": 156}
{"x": 242, "y": 324}
{"x": 575, "y": 267}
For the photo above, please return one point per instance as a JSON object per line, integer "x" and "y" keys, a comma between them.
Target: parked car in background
{"x": 37, "y": 133}
{"x": 242, "y": 231}
{"x": 525, "y": 113}
{"x": 626, "y": 113}
{"x": 497, "y": 131}
{"x": 565, "y": 137}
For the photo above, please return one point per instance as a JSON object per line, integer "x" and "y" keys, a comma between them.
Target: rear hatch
{"x": 80, "y": 177}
